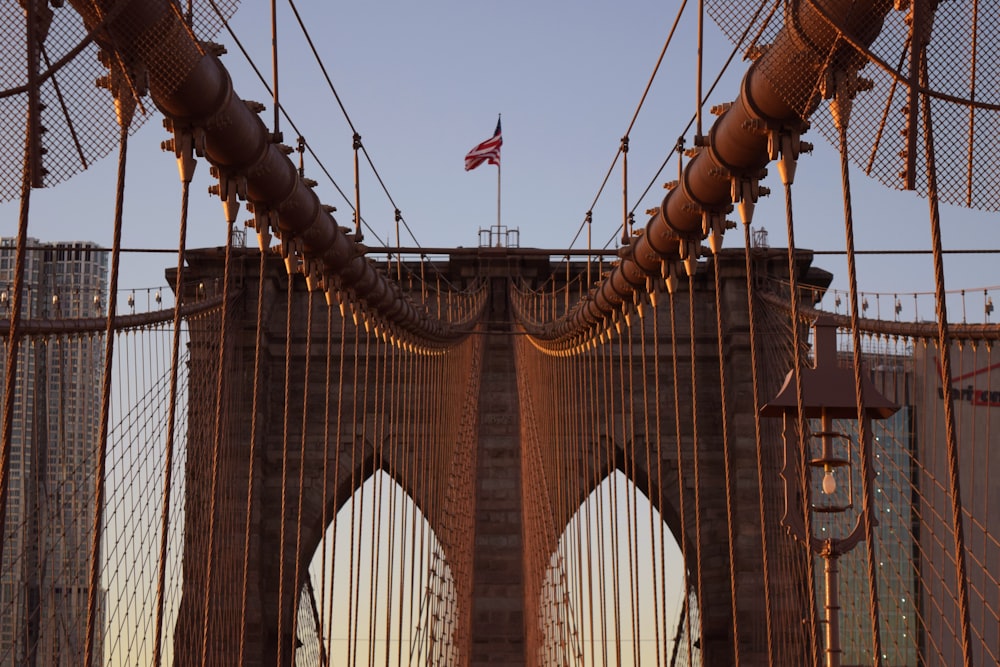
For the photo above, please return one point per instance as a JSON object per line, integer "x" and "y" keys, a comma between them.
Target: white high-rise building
{"x": 50, "y": 508}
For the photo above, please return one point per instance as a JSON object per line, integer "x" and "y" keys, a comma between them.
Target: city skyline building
{"x": 49, "y": 519}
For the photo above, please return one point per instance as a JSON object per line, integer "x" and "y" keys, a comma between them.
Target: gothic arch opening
{"x": 613, "y": 591}
{"x": 379, "y": 590}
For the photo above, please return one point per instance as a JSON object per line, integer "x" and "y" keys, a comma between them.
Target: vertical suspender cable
{"x": 973, "y": 65}
{"x": 285, "y": 435}
{"x": 436, "y": 473}
{"x": 755, "y": 377}
{"x": 17, "y": 298}
{"x": 102, "y": 440}
{"x": 590, "y": 258}
{"x": 680, "y": 472}
{"x": 602, "y": 518}
{"x": 324, "y": 639}
{"x": 376, "y": 479}
{"x": 613, "y": 464}
{"x": 867, "y": 472}
{"x": 647, "y": 436}
{"x": 628, "y": 445}
{"x": 658, "y": 424}
{"x": 625, "y": 229}
{"x": 420, "y": 458}
{"x": 698, "y": 66}
{"x": 726, "y": 457}
{"x": 296, "y": 581}
{"x": 13, "y": 337}
{"x": 168, "y": 463}
{"x": 695, "y": 451}
{"x": 944, "y": 350}
{"x": 274, "y": 69}
{"x": 355, "y": 481}
{"x": 359, "y": 493}
{"x": 399, "y": 257}
{"x": 403, "y": 449}
{"x": 592, "y": 470}
{"x": 220, "y": 421}
{"x": 391, "y": 433}
{"x": 338, "y": 438}
{"x": 801, "y": 421}
{"x": 577, "y": 445}
{"x": 406, "y": 449}
{"x": 357, "y": 188}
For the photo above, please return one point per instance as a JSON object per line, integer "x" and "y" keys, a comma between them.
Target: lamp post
{"x": 829, "y": 392}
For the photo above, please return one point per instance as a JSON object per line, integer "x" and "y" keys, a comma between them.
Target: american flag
{"x": 488, "y": 151}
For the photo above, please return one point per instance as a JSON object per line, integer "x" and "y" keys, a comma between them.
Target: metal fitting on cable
{"x": 714, "y": 224}
{"x": 263, "y": 221}
{"x": 841, "y": 87}
{"x": 690, "y": 250}
{"x": 290, "y": 251}
{"x": 230, "y": 189}
{"x": 651, "y": 290}
{"x": 671, "y": 276}
{"x": 313, "y": 270}
{"x": 183, "y": 146}
{"x": 746, "y": 190}
{"x": 331, "y": 292}
{"x": 126, "y": 87}
{"x": 784, "y": 146}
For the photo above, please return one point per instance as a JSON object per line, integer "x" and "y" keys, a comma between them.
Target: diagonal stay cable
{"x": 691, "y": 121}
{"x": 347, "y": 118}
{"x": 711, "y": 90}
{"x": 312, "y": 153}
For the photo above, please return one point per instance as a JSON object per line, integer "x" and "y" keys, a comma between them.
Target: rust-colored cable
{"x": 615, "y": 364}
{"x": 100, "y": 472}
{"x": 805, "y": 488}
{"x": 577, "y": 445}
{"x": 168, "y": 454}
{"x": 407, "y": 417}
{"x": 338, "y": 434}
{"x": 680, "y": 470}
{"x": 360, "y": 443}
{"x": 647, "y": 436}
{"x": 393, "y": 466}
{"x": 377, "y": 481}
{"x": 593, "y": 439}
{"x": 417, "y": 571}
{"x": 631, "y": 512}
{"x": 695, "y": 449}
{"x": 324, "y": 636}
{"x": 867, "y": 467}
{"x": 604, "y": 438}
{"x": 944, "y": 350}
{"x": 285, "y": 435}
{"x": 307, "y": 368}
{"x": 727, "y": 461}
{"x": 755, "y": 379}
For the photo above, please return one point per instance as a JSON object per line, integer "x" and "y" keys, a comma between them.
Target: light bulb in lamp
{"x": 829, "y": 481}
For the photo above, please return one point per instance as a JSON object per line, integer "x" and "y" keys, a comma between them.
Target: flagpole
{"x": 488, "y": 151}
{"x": 498, "y": 204}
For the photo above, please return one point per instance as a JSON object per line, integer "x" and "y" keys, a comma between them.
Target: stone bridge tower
{"x": 498, "y": 620}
